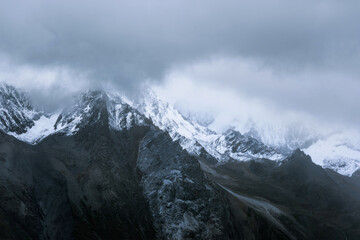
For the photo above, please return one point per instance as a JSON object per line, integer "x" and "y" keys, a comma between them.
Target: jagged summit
{"x": 240, "y": 146}
{"x": 93, "y": 107}
{"x": 194, "y": 137}
{"x": 109, "y": 168}
{"x": 19, "y": 119}
{"x": 100, "y": 176}
{"x": 88, "y": 109}
{"x": 113, "y": 110}
{"x": 16, "y": 112}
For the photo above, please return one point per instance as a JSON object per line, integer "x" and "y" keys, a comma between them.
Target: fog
{"x": 282, "y": 58}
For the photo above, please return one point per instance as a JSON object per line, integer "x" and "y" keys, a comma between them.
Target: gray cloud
{"x": 127, "y": 42}
{"x": 243, "y": 88}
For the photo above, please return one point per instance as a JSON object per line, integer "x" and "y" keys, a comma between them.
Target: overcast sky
{"x": 290, "y": 56}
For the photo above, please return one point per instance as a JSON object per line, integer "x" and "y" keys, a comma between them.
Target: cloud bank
{"x": 300, "y": 56}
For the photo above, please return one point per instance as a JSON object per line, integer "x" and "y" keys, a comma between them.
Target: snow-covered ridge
{"x": 193, "y": 137}
{"x": 31, "y": 126}
{"x": 244, "y": 147}
{"x": 90, "y": 107}
{"x": 16, "y": 112}
{"x": 339, "y": 151}
{"x": 123, "y": 114}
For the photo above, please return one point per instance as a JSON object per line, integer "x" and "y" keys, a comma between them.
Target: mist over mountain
{"x": 179, "y": 119}
{"x": 109, "y": 167}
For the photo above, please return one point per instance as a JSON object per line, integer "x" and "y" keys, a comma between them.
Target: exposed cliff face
{"x": 95, "y": 184}
{"x": 183, "y": 203}
{"x": 103, "y": 170}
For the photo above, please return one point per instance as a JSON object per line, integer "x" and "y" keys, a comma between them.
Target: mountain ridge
{"x": 195, "y": 138}
{"x": 108, "y": 171}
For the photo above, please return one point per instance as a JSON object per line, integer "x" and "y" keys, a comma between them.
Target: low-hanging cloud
{"x": 251, "y": 90}
{"x": 313, "y": 46}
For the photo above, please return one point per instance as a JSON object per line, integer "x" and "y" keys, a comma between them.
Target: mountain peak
{"x": 113, "y": 110}
{"x": 18, "y": 118}
{"x": 94, "y": 107}
{"x": 87, "y": 109}
{"x": 16, "y": 112}
{"x": 299, "y": 154}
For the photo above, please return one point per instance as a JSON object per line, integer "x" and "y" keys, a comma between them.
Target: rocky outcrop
{"x": 183, "y": 203}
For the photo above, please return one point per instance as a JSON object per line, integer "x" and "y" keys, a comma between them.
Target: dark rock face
{"x": 105, "y": 183}
{"x": 183, "y": 203}
{"x": 109, "y": 173}
{"x": 20, "y": 214}
{"x": 314, "y": 203}
{"x": 356, "y": 175}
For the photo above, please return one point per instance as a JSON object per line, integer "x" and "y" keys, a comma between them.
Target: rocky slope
{"x": 302, "y": 199}
{"x": 339, "y": 151}
{"x": 89, "y": 180}
{"x": 193, "y": 137}
{"x": 106, "y": 168}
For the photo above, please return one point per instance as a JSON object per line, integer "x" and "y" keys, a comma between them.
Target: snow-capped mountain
{"x": 193, "y": 136}
{"x": 109, "y": 168}
{"x": 244, "y": 147}
{"x": 18, "y": 118}
{"x": 121, "y": 114}
{"x": 282, "y": 136}
{"x": 339, "y": 151}
{"x": 91, "y": 106}
{"x": 16, "y": 113}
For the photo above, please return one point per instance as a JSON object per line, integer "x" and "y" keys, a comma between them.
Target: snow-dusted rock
{"x": 339, "y": 151}
{"x": 193, "y": 137}
{"x": 16, "y": 113}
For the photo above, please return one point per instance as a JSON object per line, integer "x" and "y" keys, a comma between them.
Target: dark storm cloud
{"x": 127, "y": 42}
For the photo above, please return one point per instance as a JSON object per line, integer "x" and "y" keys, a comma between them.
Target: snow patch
{"x": 43, "y": 127}
{"x": 338, "y": 151}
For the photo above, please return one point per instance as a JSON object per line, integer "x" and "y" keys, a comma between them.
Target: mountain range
{"x": 107, "y": 167}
